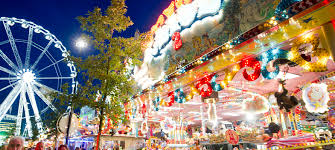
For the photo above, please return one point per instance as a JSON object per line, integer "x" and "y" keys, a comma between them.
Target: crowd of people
{"x": 17, "y": 143}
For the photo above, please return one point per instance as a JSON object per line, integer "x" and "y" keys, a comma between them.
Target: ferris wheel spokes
{"x": 7, "y": 71}
{"x": 27, "y": 115}
{"x": 9, "y": 100}
{"x": 50, "y": 65}
{"x": 35, "y": 109}
{"x": 44, "y": 86}
{"x": 52, "y": 78}
{"x": 8, "y": 86}
{"x": 9, "y": 78}
{"x": 46, "y": 101}
{"x": 19, "y": 112}
{"x": 12, "y": 44}
{"x": 41, "y": 55}
{"x": 8, "y": 61}
{"x": 30, "y": 40}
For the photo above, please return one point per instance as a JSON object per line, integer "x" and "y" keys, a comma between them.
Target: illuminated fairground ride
{"x": 33, "y": 63}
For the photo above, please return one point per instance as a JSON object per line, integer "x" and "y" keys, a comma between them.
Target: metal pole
{"x": 68, "y": 126}
{"x": 70, "y": 114}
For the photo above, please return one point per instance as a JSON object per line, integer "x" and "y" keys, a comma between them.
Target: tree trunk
{"x": 102, "y": 116}
{"x": 56, "y": 141}
{"x": 100, "y": 127}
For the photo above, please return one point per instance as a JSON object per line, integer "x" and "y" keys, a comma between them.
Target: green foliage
{"x": 106, "y": 71}
{"x": 62, "y": 101}
{"x": 34, "y": 130}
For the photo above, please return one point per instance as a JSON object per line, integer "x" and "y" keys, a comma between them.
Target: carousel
{"x": 238, "y": 75}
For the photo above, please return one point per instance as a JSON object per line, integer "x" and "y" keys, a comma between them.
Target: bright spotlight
{"x": 81, "y": 43}
{"x": 250, "y": 117}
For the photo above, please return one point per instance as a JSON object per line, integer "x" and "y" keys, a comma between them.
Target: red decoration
{"x": 232, "y": 137}
{"x": 177, "y": 41}
{"x": 204, "y": 86}
{"x": 297, "y": 110}
{"x": 109, "y": 126}
{"x": 253, "y": 63}
{"x": 144, "y": 110}
{"x": 127, "y": 114}
{"x": 171, "y": 97}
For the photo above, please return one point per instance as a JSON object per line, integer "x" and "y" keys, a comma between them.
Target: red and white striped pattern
{"x": 291, "y": 141}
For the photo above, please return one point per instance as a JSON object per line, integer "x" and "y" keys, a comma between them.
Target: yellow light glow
{"x": 236, "y": 68}
{"x": 154, "y": 28}
{"x": 178, "y": 3}
{"x": 229, "y": 77}
{"x": 188, "y": 97}
{"x": 160, "y": 20}
{"x": 187, "y": 1}
{"x": 170, "y": 10}
{"x": 291, "y": 55}
{"x": 324, "y": 60}
{"x": 223, "y": 84}
{"x": 307, "y": 36}
{"x": 306, "y": 66}
{"x": 275, "y": 23}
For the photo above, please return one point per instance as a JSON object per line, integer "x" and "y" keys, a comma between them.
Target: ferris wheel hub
{"x": 26, "y": 76}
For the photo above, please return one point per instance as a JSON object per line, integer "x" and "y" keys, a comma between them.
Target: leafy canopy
{"x": 106, "y": 72}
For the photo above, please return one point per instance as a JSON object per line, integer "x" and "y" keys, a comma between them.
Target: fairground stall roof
{"x": 233, "y": 54}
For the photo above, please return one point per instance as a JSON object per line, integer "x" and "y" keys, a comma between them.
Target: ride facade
{"x": 217, "y": 74}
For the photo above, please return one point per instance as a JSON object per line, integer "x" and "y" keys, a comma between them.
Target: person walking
{"x": 16, "y": 143}
{"x": 63, "y": 147}
{"x": 39, "y": 146}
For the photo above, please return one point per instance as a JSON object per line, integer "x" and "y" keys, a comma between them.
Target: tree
{"x": 34, "y": 130}
{"x": 106, "y": 72}
{"x": 63, "y": 99}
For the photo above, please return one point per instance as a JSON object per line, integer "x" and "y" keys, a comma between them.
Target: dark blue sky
{"x": 59, "y": 16}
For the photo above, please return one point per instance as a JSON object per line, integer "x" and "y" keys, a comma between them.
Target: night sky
{"x": 59, "y": 16}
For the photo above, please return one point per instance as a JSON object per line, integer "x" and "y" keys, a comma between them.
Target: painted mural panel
{"x": 202, "y": 26}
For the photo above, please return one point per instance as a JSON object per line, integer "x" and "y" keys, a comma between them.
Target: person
{"x": 16, "y": 143}
{"x": 3, "y": 147}
{"x": 240, "y": 146}
{"x": 39, "y": 146}
{"x": 63, "y": 147}
{"x": 77, "y": 148}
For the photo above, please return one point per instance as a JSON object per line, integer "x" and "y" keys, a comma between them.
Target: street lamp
{"x": 81, "y": 43}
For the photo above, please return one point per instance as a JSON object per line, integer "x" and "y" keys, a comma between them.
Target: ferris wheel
{"x": 33, "y": 63}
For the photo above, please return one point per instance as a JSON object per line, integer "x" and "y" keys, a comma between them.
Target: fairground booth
{"x": 84, "y": 135}
{"x": 238, "y": 74}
